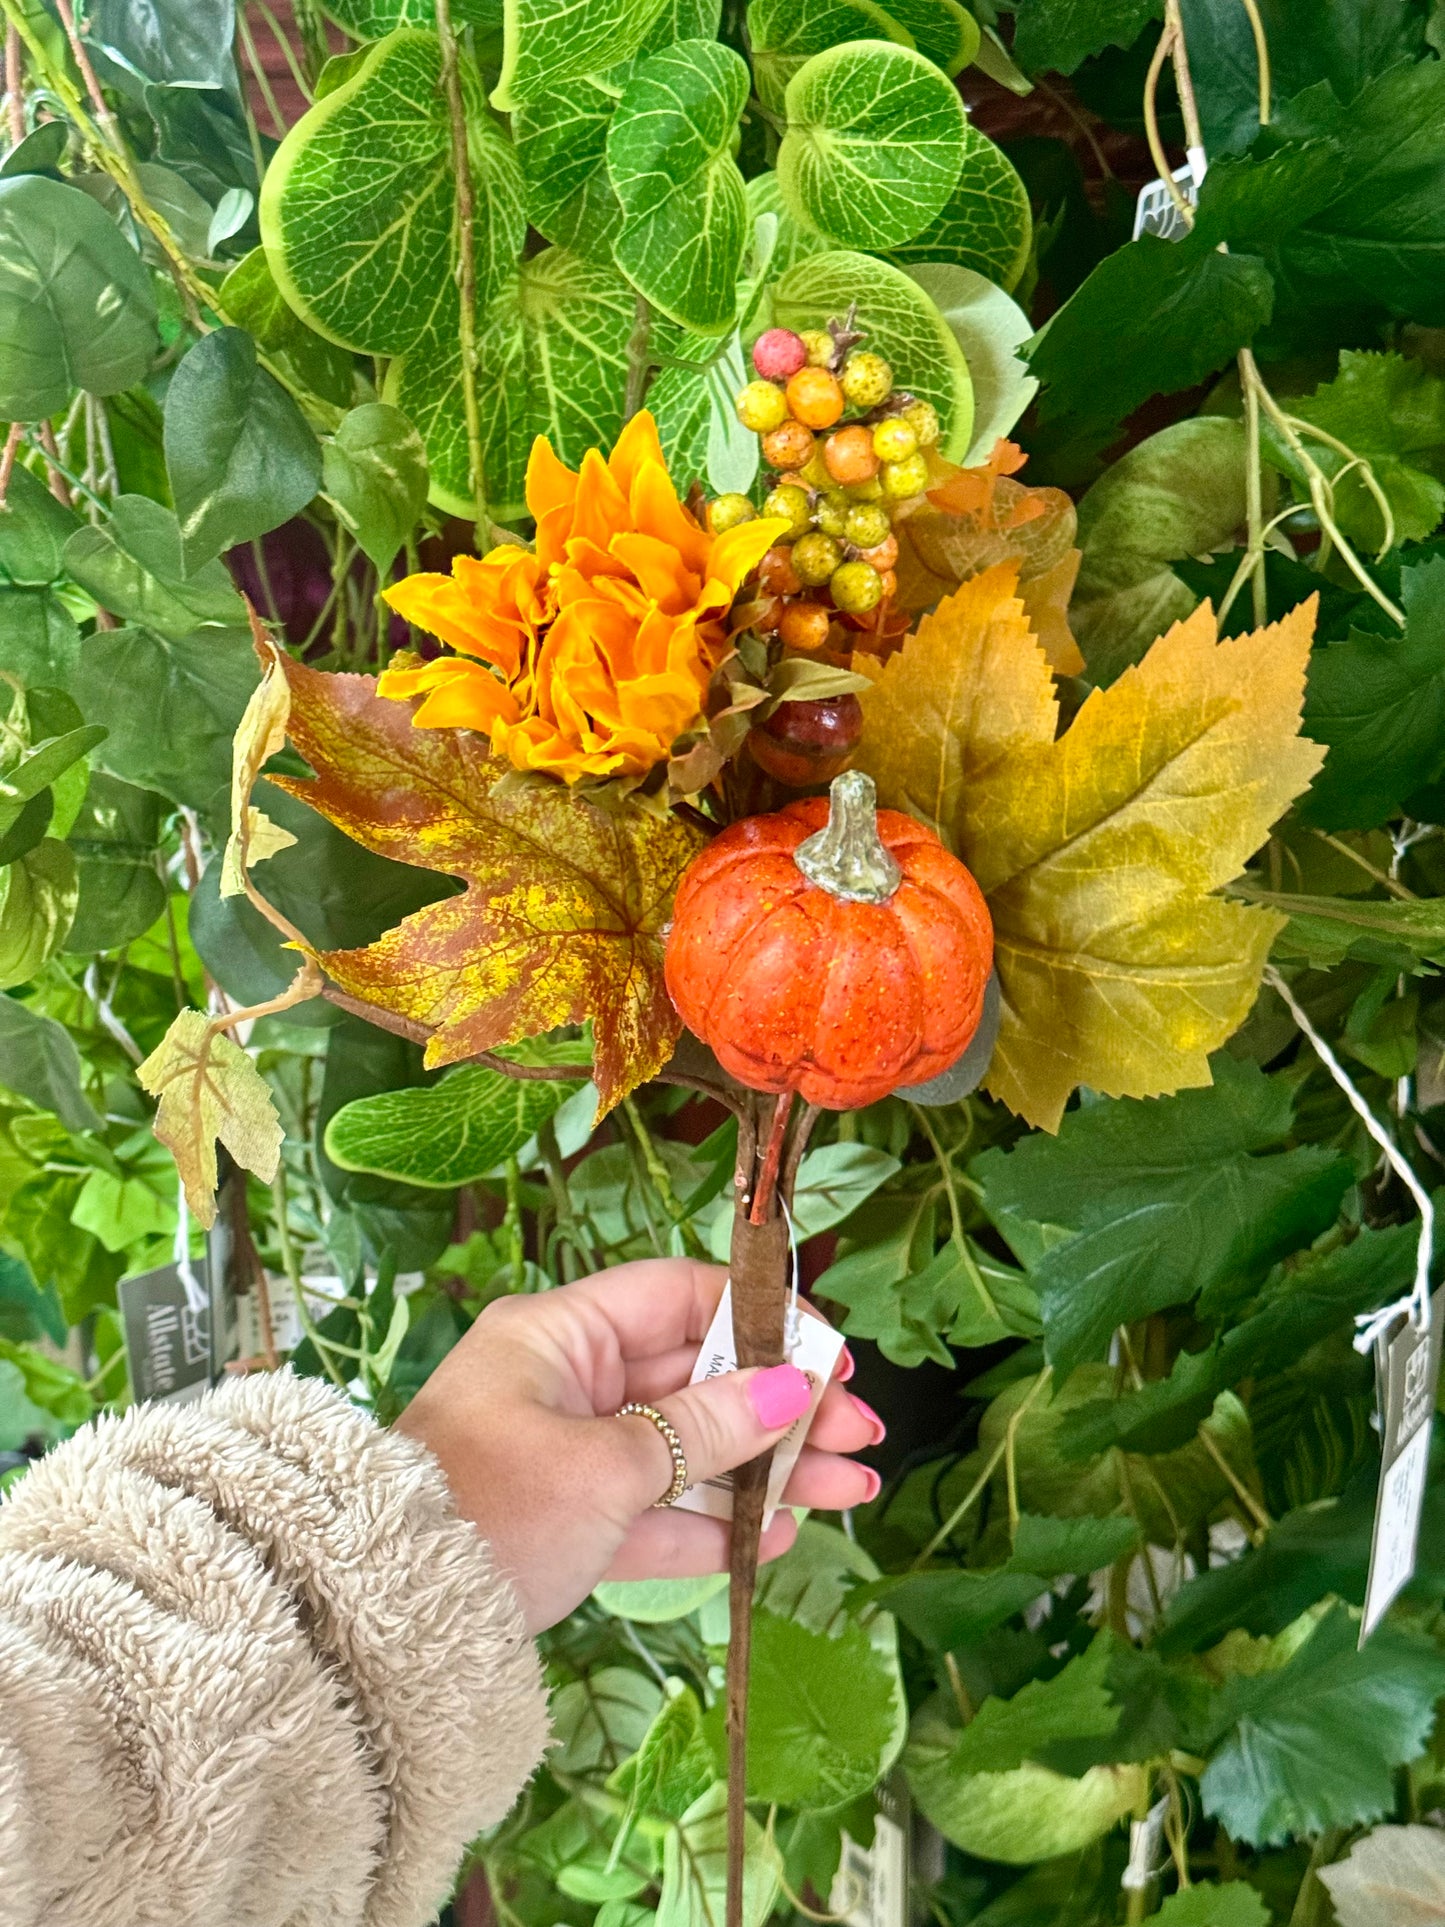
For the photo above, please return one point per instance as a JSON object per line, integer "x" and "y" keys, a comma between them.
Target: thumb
{"x": 722, "y": 1422}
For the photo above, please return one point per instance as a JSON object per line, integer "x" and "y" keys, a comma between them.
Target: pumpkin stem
{"x": 846, "y": 857}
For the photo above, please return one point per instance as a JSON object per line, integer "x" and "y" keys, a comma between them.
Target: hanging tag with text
{"x": 1407, "y": 1372}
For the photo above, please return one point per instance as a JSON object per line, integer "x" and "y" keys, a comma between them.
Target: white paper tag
{"x": 1157, "y": 212}
{"x": 870, "y": 1888}
{"x": 816, "y": 1353}
{"x": 1408, "y": 1372}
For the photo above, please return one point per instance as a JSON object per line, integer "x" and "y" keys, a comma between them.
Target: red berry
{"x": 778, "y": 354}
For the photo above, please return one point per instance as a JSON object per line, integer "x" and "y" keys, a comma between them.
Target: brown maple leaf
{"x": 563, "y": 915}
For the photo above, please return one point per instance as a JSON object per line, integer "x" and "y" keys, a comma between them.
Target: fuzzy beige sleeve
{"x": 254, "y": 1672}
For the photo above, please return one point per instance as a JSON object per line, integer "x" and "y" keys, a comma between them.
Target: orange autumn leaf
{"x": 1100, "y": 851}
{"x": 591, "y": 656}
{"x": 972, "y": 491}
{"x": 562, "y": 918}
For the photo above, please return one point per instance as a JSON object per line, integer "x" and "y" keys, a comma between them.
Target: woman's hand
{"x": 518, "y": 1414}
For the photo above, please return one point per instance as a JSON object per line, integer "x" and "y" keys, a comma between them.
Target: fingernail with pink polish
{"x": 880, "y": 1430}
{"x": 779, "y": 1395}
{"x": 846, "y": 1366}
{"x": 875, "y": 1484}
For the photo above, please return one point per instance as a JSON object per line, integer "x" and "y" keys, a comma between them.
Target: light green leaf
{"x": 900, "y": 322}
{"x": 674, "y": 1765}
{"x": 1394, "y": 1877}
{"x": 944, "y": 31}
{"x": 552, "y": 360}
{"x": 37, "y": 904}
{"x": 373, "y": 472}
{"x": 562, "y": 147}
{"x": 1179, "y": 493}
{"x": 832, "y": 1182}
{"x": 1232, "y": 1903}
{"x": 986, "y": 223}
{"x": 694, "y": 1868}
{"x": 39, "y": 1062}
{"x": 822, "y": 1714}
{"x": 370, "y": 19}
{"x": 551, "y": 42}
{"x": 455, "y": 1131}
{"x": 669, "y": 156}
{"x": 358, "y": 206}
{"x": 600, "y": 1720}
{"x": 783, "y": 36}
{"x": 653, "y": 1602}
{"x": 122, "y": 1211}
{"x": 875, "y": 144}
{"x": 76, "y": 308}
{"x": 239, "y": 452}
{"x": 989, "y": 328}
{"x": 792, "y": 241}
{"x": 132, "y": 566}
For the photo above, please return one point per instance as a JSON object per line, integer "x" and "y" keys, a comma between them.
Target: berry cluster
{"x": 847, "y": 450}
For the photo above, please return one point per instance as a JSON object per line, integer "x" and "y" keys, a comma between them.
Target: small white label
{"x": 1397, "y": 1527}
{"x": 1157, "y": 212}
{"x": 870, "y": 1888}
{"x": 816, "y": 1353}
{"x": 1407, "y": 1369}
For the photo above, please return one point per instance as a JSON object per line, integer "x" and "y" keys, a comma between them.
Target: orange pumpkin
{"x": 831, "y": 949}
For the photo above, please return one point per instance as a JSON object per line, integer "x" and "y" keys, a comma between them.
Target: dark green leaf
{"x": 188, "y": 41}
{"x": 27, "y": 1312}
{"x": 76, "y": 308}
{"x": 39, "y": 641}
{"x": 239, "y": 452}
{"x": 1058, "y": 35}
{"x": 114, "y": 843}
{"x": 34, "y": 529}
{"x": 40, "y": 1063}
{"x": 1378, "y": 704}
{"x": 132, "y": 566}
{"x": 374, "y": 475}
{"x": 252, "y": 300}
{"x": 39, "y": 152}
{"x": 203, "y": 136}
{"x": 1313, "y": 1744}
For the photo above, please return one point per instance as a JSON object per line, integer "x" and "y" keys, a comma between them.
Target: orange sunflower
{"x": 599, "y": 646}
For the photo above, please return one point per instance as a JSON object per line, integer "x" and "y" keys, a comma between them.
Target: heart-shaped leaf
{"x": 986, "y": 223}
{"x": 547, "y": 45}
{"x": 373, "y": 472}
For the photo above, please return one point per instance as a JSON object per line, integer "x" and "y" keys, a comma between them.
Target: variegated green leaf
{"x": 550, "y": 42}
{"x": 987, "y": 224}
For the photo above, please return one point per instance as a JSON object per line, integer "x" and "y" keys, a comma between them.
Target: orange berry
{"x": 849, "y": 456}
{"x": 776, "y": 574}
{"x": 790, "y": 445}
{"x": 890, "y": 583}
{"x": 815, "y": 396}
{"x": 883, "y": 555}
{"x": 805, "y": 625}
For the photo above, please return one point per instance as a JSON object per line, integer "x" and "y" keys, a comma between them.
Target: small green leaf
{"x": 455, "y": 1131}
{"x": 942, "y": 30}
{"x": 114, "y": 841}
{"x": 822, "y": 1725}
{"x": 39, "y": 1062}
{"x": 76, "y": 307}
{"x": 37, "y": 903}
{"x": 547, "y": 45}
{"x": 34, "y": 530}
{"x": 694, "y": 1868}
{"x": 373, "y": 472}
{"x": 239, "y": 452}
{"x": 875, "y": 144}
{"x": 674, "y": 1764}
{"x": 600, "y": 1720}
{"x": 900, "y": 322}
{"x": 252, "y": 300}
{"x": 1232, "y": 1903}
{"x": 986, "y": 223}
{"x": 132, "y": 566}
{"x": 122, "y": 1211}
{"x": 669, "y": 157}
{"x": 989, "y": 328}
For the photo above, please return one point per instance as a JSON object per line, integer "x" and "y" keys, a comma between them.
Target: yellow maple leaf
{"x": 1099, "y": 852}
{"x": 208, "y": 1089}
{"x": 259, "y": 734}
{"x": 563, "y": 917}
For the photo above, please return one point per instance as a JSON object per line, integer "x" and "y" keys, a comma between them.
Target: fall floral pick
{"x": 589, "y": 656}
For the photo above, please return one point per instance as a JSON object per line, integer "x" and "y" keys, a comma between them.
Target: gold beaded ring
{"x": 673, "y": 1443}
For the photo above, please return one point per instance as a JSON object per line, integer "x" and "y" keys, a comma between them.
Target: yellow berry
{"x": 856, "y": 587}
{"x": 869, "y": 491}
{"x": 832, "y": 513}
{"x": 902, "y": 479}
{"x": 867, "y": 525}
{"x": 728, "y": 511}
{"x": 815, "y": 557}
{"x": 922, "y": 417}
{"x": 814, "y": 471}
{"x": 762, "y": 406}
{"x": 867, "y": 379}
{"x": 895, "y": 440}
{"x": 792, "y": 505}
{"x": 820, "y": 346}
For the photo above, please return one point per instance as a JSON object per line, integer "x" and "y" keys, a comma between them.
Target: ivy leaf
{"x": 899, "y": 321}
{"x": 822, "y": 1726}
{"x": 546, "y": 45}
{"x": 1378, "y": 703}
{"x": 35, "y": 527}
{"x": 986, "y": 224}
{"x": 875, "y": 144}
{"x": 669, "y": 158}
{"x": 1178, "y": 494}
{"x": 209, "y": 1088}
{"x": 552, "y": 360}
{"x": 566, "y": 904}
{"x": 240, "y": 454}
{"x": 39, "y": 1062}
{"x": 1394, "y": 1877}
{"x": 1230, "y": 1903}
{"x": 132, "y": 566}
{"x": 373, "y": 472}
{"x": 252, "y": 300}
{"x": 115, "y": 841}
{"x": 1118, "y": 971}
{"x": 358, "y": 206}
{"x": 1314, "y": 1743}
{"x": 456, "y": 1131}
{"x": 1166, "y": 1198}
{"x": 1074, "y": 1705}
{"x": 1056, "y": 36}
{"x": 76, "y": 307}
{"x": 783, "y": 36}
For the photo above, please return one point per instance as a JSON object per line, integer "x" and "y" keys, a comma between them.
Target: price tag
{"x": 1407, "y": 1372}
{"x": 167, "y": 1336}
{"x": 871, "y": 1886}
{"x": 816, "y": 1353}
{"x": 1157, "y": 212}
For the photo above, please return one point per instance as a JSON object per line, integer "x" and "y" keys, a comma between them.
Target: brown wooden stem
{"x": 758, "y": 1271}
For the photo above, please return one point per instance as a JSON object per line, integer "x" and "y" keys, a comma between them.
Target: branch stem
{"x": 466, "y": 269}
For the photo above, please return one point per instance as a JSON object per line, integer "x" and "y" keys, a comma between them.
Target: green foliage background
{"x": 1124, "y": 1565}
